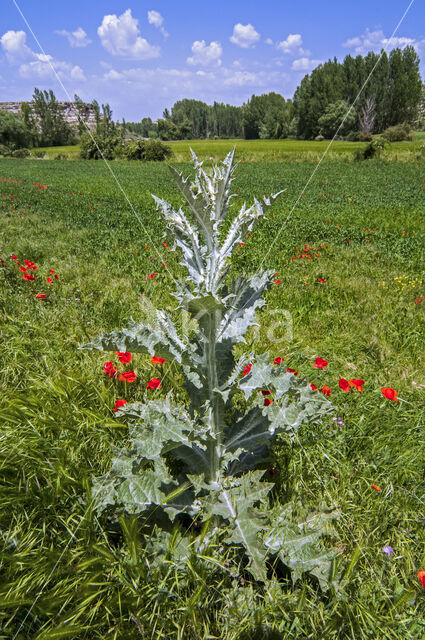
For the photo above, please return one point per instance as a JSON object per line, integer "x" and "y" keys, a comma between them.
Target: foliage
{"x": 337, "y": 119}
{"x": 156, "y": 151}
{"x": 397, "y": 133}
{"x": 13, "y": 132}
{"x": 392, "y": 95}
{"x": 220, "y": 455}
{"x": 21, "y": 153}
{"x": 95, "y": 146}
{"x": 372, "y": 150}
{"x": 51, "y": 127}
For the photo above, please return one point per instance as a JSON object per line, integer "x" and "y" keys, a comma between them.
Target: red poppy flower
{"x": 123, "y": 356}
{"x": 419, "y": 300}
{"x": 326, "y": 390}
{"x": 390, "y": 393}
{"x": 56, "y": 276}
{"x": 267, "y": 401}
{"x": 22, "y": 269}
{"x": 154, "y": 383}
{"x": 128, "y": 376}
{"x": 14, "y": 257}
{"x": 51, "y": 271}
{"x": 344, "y": 384}
{"x": 247, "y": 369}
{"x": 158, "y": 360}
{"x": 313, "y": 386}
{"x": 421, "y": 576}
{"x": 376, "y": 487}
{"x": 319, "y": 363}
{"x": 41, "y": 296}
{"x": 49, "y": 280}
{"x": 110, "y": 369}
{"x": 265, "y": 392}
{"x": 278, "y": 360}
{"x": 28, "y": 276}
{"x": 119, "y": 404}
{"x": 292, "y": 371}
{"x": 356, "y": 383}
{"x": 30, "y": 265}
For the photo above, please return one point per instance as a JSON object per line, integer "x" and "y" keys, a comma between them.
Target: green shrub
{"x": 60, "y": 156}
{"x": 95, "y": 147}
{"x": 157, "y": 151}
{"x": 398, "y": 133}
{"x": 37, "y": 153}
{"x": 359, "y": 136}
{"x": 372, "y": 150}
{"x": 4, "y": 151}
{"x": 21, "y": 153}
{"x": 135, "y": 150}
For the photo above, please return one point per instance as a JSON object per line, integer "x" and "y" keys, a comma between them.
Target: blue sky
{"x": 141, "y": 57}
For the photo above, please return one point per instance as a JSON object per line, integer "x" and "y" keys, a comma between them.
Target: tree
{"x": 13, "y": 132}
{"x": 338, "y": 118}
{"x": 53, "y": 128}
{"x": 367, "y": 115}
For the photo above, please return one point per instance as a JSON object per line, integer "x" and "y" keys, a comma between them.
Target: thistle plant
{"x": 207, "y": 458}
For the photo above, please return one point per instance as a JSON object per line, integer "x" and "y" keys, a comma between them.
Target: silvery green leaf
{"x": 245, "y": 298}
{"x": 140, "y": 491}
{"x": 103, "y": 492}
{"x": 138, "y": 339}
{"x": 235, "y": 500}
{"x": 248, "y": 432}
{"x": 297, "y": 544}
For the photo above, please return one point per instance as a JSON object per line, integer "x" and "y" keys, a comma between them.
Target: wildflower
{"x": 421, "y": 576}
{"x": 247, "y": 369}
{"x": 41, "y": 296}
{"x": 344, "y": 384}
{"x": 267, "y": 401}
{"x": 326, "y": 390}
{"x": 51, "y": 271}
{"x": 123, "y": 356}
{"x": 313, "y": 386}
{"x": 14, "y": 257}
{"x": 128, "y": 376}
{"x": 265, "y": 392}
{"x": 376, "y": 487}
{"x": 278, "y": 360}
{"x": 358, "y": 384}
{"x": 390, "y": 393}
{"x": 28, "y": 276}
{"x": 292, "y": 371}
{"x": 419, "y": 300}
{"x": 119, "y": 404}
{"x": 110, "y": 369}
{"x": 157, "y": 360}
{"x": 154, "y": 383}
{"x": 56, "y": 276}
{"x": 49, "y": 280}
{"x": 388, "y": 550}
{"x": 319, "y": 363}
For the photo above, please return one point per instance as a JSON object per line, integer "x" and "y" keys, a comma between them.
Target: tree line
{"x": 386, "y": 90}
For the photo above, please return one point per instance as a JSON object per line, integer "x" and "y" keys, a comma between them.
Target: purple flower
{"x": 388, "y": 550}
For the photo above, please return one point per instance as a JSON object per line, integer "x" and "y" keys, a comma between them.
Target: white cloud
{"x": 120, "y": 36}
{"x": 244, "y": 35}
{"x": 36, "y": 65}
{"x": 240, "y": 78}
{"x": 45, "y": 66}
{"x": 376, "y": 40}
{"x": 77, "y": 38}
{"x": 269, "y": 41}
{"x": 14, "y": 45}
{"x": 155, "y": 18}
{"x": 292, "y": 45}
{"x": 304, "y": 64}
{"x": 204, "y": 54}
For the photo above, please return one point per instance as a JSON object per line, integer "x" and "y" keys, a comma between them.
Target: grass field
{"x": 265, "y": 150}
{"x": 359, "y": 302}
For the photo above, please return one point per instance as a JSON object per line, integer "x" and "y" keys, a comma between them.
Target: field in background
{"x": 258, "y": 150}
{"x": 358, "y": 301}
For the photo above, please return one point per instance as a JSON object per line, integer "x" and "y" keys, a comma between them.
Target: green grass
{"x": 64, "y": 573}
{"x": 266, "y": 150}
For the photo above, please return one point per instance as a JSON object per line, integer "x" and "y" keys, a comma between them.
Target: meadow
{"x": 347, "y": 244}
